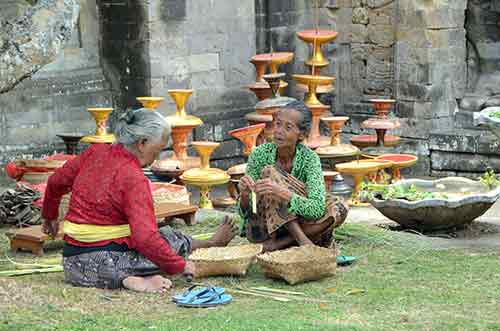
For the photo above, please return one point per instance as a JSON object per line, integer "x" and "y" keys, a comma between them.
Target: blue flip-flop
{"x": 206, "y": 301}
{"x": 194, "y": 292}
{"x": 344, "y": 260}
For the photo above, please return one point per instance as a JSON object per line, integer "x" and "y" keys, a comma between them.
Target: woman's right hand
{"x": 246, "y": 185}
{"x": 50, "y": 227}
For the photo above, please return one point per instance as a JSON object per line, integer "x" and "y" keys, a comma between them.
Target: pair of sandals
{"x": 202, "y": 297}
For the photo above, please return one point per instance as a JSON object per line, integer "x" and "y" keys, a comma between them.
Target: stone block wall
{"x": 205, "y": 46}
{"x": 54, "y": 100}
{"x": 418, "y": 52}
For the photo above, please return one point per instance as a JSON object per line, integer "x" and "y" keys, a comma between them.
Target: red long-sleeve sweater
{"x": 108, "y": 187}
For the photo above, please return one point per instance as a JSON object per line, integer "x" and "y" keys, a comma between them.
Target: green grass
{"x": 398, "y": 283}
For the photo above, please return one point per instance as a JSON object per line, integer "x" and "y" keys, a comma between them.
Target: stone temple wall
{"x": 205, "y": 46}
{"x": 440, "y": 60}
{"x": 55, "y": 98}
{"x": 418, "y": 52}
{"x": 151, "y": 46}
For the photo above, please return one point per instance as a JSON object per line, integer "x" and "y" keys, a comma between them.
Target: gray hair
{"x": 139, "y": 124}
{"x": 306, "y": 115}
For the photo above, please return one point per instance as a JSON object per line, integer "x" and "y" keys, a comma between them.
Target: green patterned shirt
{"x": 306, "y": 167}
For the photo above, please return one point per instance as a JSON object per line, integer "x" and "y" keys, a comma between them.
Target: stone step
{"x": 465, "y": 141}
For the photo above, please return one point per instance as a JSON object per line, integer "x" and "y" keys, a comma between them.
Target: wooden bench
{"x": 32, "y": 238}
{"x": 166, "y": 211}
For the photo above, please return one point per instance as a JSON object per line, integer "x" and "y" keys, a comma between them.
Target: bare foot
{"x": 225, "y": 233}
{"x": 152, "y": 284}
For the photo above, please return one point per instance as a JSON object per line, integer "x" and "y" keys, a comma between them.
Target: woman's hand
{"x": 50, "y": 227}
{"x": 246, "y": 185}
{"x": 189, "y": 270}
{"x": 267, "y": 186}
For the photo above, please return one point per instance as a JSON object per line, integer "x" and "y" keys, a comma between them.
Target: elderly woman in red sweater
{"x": 111, "y": 234}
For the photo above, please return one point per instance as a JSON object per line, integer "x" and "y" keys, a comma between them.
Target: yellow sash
{"x": 90, "y": 233}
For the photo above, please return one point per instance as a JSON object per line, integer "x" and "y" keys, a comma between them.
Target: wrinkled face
{"x": 286, "y": 128}
{"x": 150, "y": 149}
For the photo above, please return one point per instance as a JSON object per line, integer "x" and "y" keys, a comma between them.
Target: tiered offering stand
{"x": 101, "y": 135}
{"x": 205, "y": 177}
{"x": 150, "y": 102}
{"x": 182, "y": 125}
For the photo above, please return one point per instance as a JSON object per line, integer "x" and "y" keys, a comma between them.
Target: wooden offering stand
{"x": 150, "y": 103}
{"x": 101, "y": 135}
{"x": 261, "y": 61}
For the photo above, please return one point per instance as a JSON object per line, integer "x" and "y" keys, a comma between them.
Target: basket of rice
{"x": 220, "y": 261}
{"x": 299, "y": 264}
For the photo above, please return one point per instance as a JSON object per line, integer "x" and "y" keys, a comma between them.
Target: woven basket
{"x": 218, "y": 261}
{"x": 299, "y": 264}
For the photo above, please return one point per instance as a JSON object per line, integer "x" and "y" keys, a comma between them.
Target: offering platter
{"x": 272, "y": 60}
{"x": 248, "y": 136}
{"x": 173, "y": 168}
{"x": 370, "y": 140}
{"x": 383, "y": 106}
{"x": 150, "y": 102}
{"x": 275, "y": 103}
{"x": 101, "y": 135}
{"x": 320, "y": 89}
{"x": 337, "y": 153}
{"x": 315, "y": 139}
{"x": 358, "y": 170}
{"x": 317, "y": 37}
{"x": 398, "y": 161}
{"x": 205, "y": 177}
{"x": 260, "y": 87}
{"x": 71, "y": 141}
{"x": 381, "y": 124}
{"x": 267, "y": 120}
{"x": 312, "y": 82}
{"x": 335, "y": 148}
{"x": 181, "y": 118}
{"x": 182, "y": 125}
{"x": 262, "y": 90}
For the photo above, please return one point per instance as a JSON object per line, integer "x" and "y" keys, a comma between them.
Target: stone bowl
{"x": 484, "y": 118}
{"x": 465, "y": 201}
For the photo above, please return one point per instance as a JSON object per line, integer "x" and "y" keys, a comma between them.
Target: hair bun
{"x": 128, "y": 117}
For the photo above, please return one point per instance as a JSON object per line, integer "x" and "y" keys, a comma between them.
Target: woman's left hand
{"x": 267, "y": 186}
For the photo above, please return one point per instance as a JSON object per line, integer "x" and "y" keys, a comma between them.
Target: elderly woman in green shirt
{"x": 285, "y": 178}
